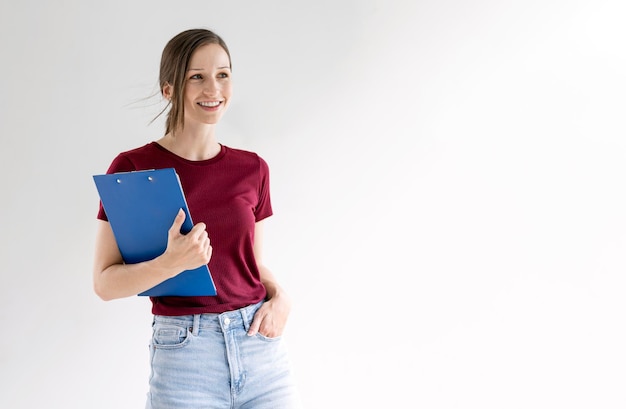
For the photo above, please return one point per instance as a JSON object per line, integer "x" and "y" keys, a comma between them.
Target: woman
{"x": 206, "y": 352}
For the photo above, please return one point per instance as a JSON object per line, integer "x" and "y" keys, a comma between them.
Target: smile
{"x": 211, "y": 104}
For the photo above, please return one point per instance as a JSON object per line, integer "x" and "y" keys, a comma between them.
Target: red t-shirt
{"x": 229, "y": 193}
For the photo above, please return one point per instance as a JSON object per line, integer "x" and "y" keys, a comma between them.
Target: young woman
{"x": 206, "y": 352}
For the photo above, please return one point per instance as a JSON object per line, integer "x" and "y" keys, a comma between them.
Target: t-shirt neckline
{"x": 216, "y": 158}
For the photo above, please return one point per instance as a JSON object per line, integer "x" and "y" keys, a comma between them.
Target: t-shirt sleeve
{"x": 264, "y": 207}
{"x": 120, "y": 164}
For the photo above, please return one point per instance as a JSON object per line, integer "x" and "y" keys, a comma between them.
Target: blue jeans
{"x": 208, "y": 361}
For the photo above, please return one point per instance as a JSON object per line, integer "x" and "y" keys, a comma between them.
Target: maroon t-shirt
{"x": 229, "y": 193}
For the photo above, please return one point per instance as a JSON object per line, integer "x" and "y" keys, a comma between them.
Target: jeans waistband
{"x": 229, "y": 320}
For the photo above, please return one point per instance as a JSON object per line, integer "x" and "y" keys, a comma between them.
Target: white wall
{"x": 447, "y": 179}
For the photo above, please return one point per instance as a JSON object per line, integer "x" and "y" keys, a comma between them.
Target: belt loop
{"x": 196, "y": 324}
{"x": 244, "y": 318}
{"x": 247, "y": 314}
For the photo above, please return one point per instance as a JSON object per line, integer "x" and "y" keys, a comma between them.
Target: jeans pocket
{"x": 268, "y": 339}
{"x": 170, "y": 336}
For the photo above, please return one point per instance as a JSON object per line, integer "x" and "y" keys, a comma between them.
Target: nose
{"x": 211, "y": 86}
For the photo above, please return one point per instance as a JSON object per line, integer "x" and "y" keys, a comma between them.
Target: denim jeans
{"x": 209, "y": 361}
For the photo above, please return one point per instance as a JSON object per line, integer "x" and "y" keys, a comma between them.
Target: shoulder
{"x": 132, "y": 159}
{"x": 147, "y": 149}
{"x": 245, "y": 156}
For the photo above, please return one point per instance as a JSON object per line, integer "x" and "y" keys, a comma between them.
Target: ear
{"x": 166, "y": 91}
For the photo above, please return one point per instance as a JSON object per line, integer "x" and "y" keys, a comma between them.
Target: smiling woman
{"x": 211, "y": 351}
{"x": 208, "y": 87}
{"x": 187, "y": 59}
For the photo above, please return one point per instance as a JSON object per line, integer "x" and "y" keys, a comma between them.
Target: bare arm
{"x": 271, "y": 318}
{"x": 113, "y": 279}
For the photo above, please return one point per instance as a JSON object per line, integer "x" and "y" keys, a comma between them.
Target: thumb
{"x": 255, "y": 325}
{"x": 178, "y": 222}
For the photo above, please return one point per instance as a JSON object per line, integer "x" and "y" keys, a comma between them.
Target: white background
{"x": 447, "y": 181}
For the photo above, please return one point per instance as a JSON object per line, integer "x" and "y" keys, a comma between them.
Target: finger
{"x": 197, "y": 231}
{"x": 256, "y": 324}
{"x": 206, "y": 244}
{"x": 178, "y": 222}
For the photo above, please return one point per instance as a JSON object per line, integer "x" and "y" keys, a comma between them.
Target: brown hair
{"x": 174, "y": 64}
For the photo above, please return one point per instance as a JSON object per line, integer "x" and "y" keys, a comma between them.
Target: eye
{"x": 196, "y": 77}
{"x": 223, "y": 75}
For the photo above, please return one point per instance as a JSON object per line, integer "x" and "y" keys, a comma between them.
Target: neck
{"x": 192, "y": 143}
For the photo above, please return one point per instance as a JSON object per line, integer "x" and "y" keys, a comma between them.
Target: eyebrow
{"x": 202, "y": 69}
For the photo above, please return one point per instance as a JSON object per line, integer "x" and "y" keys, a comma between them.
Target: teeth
{"x": 210, "y": 104}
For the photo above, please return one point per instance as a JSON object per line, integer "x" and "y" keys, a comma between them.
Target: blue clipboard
{"x": 141, "y": 207}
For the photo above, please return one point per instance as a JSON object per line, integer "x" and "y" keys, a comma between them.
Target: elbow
{"x": 101, "y": 291}
{"x": 104, "y": 297}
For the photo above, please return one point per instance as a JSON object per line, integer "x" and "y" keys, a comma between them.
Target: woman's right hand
{"x": 186, "y": 251}
{"x": 112, "y": 278}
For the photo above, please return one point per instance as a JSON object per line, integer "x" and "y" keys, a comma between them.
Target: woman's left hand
{"x": 271, "y": 318}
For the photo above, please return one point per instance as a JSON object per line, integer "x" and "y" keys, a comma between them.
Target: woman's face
{"x": 207, "y": 85}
